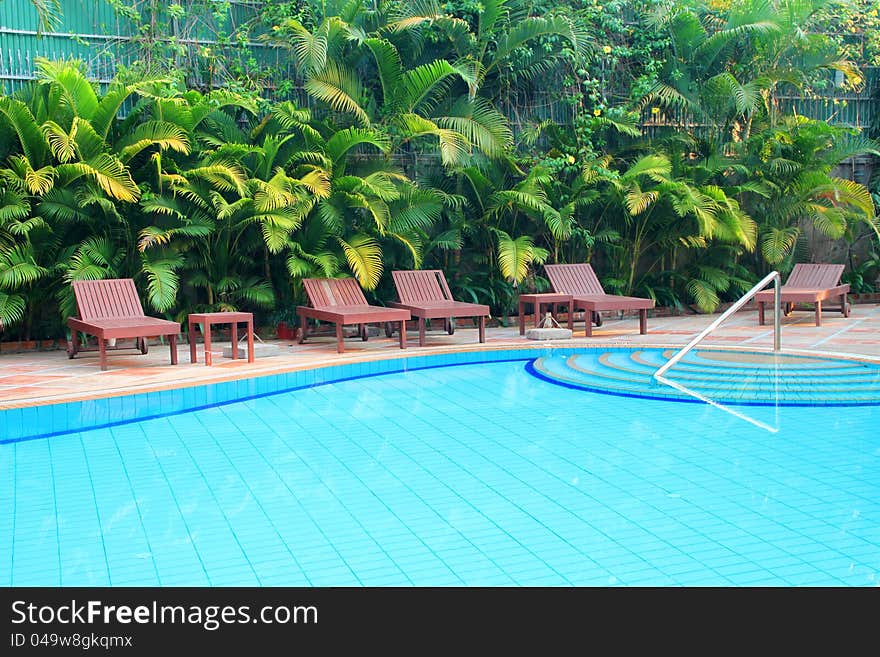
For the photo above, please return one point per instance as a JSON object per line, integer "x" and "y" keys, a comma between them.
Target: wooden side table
{"x": 540, "y": 300}
{"x": 231, "y": 318}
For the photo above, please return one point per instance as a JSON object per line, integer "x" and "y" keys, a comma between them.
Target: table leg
{"x": 643, "y": 321}
{"x": 173, "y": 340}
{"x": 206, "y": 331}
{"x": 193, "y": 357}
{"x": 482, "y": 328}
{"x": 234, "y": 331}
{"x": 522, "y": 318}
{"x": 250, "y": 340}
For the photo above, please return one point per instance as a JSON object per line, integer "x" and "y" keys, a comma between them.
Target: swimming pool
{"x": 466, "y": 474}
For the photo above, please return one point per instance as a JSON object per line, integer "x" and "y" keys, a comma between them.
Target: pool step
{"x": 723, "y": 376}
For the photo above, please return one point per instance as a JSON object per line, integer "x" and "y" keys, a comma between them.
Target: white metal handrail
{"x": 777, "y": 318}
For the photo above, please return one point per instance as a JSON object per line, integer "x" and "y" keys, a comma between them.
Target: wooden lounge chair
{"x": 341, "y": 301}
{"x": 111, "y": 309}
{"x": 426, "y": 295}
{"x": 808, "y": 283}
{"x": 587, "y": 294}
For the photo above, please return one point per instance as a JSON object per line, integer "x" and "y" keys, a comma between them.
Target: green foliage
{"x": 676, "y": 172}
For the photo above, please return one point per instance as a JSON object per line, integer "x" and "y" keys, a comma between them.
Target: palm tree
{"x": 790, "y": 183}
{"x": 726, "y": 71}
{"x": 62, "y": 179}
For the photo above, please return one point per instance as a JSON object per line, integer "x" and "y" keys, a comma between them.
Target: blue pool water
{"x": 474, "y": 474}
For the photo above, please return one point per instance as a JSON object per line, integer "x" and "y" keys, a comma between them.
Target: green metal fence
{"x": 94, "y": 32}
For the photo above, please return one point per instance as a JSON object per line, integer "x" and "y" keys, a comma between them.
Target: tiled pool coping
{"x": 133, "y": 405}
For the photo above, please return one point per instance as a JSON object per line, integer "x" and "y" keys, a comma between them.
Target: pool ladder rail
{"x": 773, "y": 277}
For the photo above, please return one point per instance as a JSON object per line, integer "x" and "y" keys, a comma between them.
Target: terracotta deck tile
{"x": 20, "y": 379}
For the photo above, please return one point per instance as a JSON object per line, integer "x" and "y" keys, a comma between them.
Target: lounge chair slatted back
{"x": 105, "y": 299}
{"x": 334, "y": 292}
{"x": 421, "y": 286}
{"x": 814, "y": 275}
{"x": 576, "y": 279}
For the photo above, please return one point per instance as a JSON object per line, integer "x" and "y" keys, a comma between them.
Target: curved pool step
{"x": 723, "y": 376}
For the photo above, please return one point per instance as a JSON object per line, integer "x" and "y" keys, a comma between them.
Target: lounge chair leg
{"x": 339, "y": 346}
{"x": 303, "y": 328}
{"x": 844, "y": 309}
{"x": 364, "y": 335}
{"x": 588, "y": 323}
{"x": 102, "y": 350}
{"x": 234, "y": 336}
{"x": 172, "y": 340}
{"x": 818, "y": 313}
{"x": 421, "y": 331}
{"x": 482, "y": 329}
{"x": 403, "y": 333}
{"x": 643, "y": 321}
{"x": 522, "y": 318}
{"x": 760, "y": 313}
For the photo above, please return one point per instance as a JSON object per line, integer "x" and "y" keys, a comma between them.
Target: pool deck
{"x": 36, "y": 378}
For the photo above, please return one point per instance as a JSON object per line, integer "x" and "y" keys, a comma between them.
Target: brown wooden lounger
{"x": 111, "y": 309}
{"x": 808, "y": 283}
{"x": 580, "y": 281}
{"x": 341, "y": 301}
{"x": 425, "y": 293}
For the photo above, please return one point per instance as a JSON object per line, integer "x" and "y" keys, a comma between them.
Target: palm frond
{"x": 12, "y": 308}
{"x": 163, "y": 281}
{"x": 390, "y": 69}
{"x": 341, "y": 89}
{"x": 33, "y": 143}
{"x": 454, "y": 149}
{"x": 364, "y": 256}
{"x": 68, "y": 81}
{"x": 161, "y": 134}
{"x": 61, "y": 142}
{"x": 310, "y": 49}
{"x": 516, "y": 255}
{"x": 778, "y": 243}
{"x": 111, "y": 174}
{"x": 418, "y": 84}
{"x": 344, "y": 140}
{"x": 18, "y": 267}
{"x": 481, "y": 124}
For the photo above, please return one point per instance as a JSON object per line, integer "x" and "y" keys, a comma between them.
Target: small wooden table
{"x": 539, "y": 300}
{"x": 231, "y": 318}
